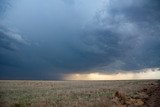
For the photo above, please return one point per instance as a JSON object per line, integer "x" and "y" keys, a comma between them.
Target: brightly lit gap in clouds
{"x": 144, "y": 74}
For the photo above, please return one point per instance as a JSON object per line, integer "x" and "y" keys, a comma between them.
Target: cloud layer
{"x": 128, "y": 33}
{"x": 44, "y": 39}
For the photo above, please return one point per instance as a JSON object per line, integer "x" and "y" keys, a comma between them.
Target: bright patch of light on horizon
{"x": 144, "y": 74}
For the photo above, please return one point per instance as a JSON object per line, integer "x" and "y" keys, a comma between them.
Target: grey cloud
{"x": 78, "y": 36}
{"x": 71, "y": 2}
{"x": 135, "y": 24}
{"x": 10, "y": 39}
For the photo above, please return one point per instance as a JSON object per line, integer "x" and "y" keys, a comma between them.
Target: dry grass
{"x": 72, "y": 93}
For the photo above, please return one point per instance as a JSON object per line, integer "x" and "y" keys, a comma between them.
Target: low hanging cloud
{"x": 78, "y": 36}
{"x": 143, "y": 74}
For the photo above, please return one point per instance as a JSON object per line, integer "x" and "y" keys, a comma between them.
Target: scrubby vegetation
{"x": 76, "y": 93}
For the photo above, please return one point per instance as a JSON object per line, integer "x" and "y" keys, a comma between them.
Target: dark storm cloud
{"x": 125, "y": 35}
{"x": 54, "y": 37}
{"x": 10, "y": 39}
{"x": 137, "y": 23}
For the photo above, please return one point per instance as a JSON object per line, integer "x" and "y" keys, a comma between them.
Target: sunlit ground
{"x": 144, "y": 74}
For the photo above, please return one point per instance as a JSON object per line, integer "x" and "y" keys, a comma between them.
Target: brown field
{"x": 137, "y": 93}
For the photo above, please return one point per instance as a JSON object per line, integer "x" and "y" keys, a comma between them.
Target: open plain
{"x": 129, "y": 93}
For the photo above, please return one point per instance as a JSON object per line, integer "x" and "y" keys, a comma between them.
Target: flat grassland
{"x": 129, "y": 93}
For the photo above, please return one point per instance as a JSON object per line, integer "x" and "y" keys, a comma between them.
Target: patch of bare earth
{"x": 154, "y": 94}
{"x": 146, "y": 97}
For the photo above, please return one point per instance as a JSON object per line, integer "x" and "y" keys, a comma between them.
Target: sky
{"x": 59, "y": 39}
